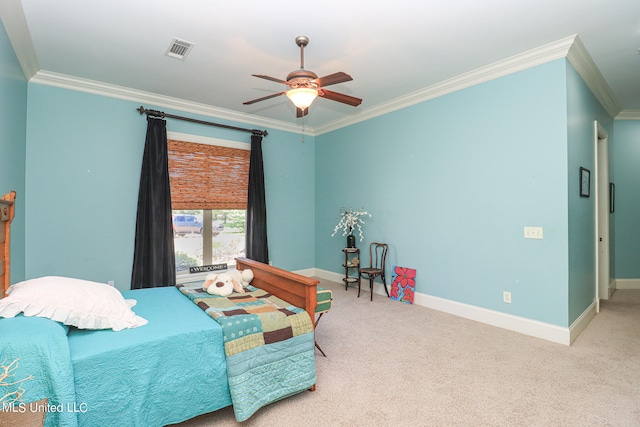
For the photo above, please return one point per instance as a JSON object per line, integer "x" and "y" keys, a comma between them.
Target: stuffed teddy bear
{"x": 224, "y": 284}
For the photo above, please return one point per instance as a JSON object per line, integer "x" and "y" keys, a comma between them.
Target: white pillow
{"x": 80, "y": 303}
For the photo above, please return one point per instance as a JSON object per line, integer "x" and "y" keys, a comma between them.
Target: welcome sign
{"x": 205, "y": 268}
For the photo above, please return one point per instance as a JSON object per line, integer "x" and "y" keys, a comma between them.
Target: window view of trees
{"x": 205, "y": 237}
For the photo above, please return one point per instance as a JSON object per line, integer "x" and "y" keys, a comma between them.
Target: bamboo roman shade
{"x": 204, "y": 176}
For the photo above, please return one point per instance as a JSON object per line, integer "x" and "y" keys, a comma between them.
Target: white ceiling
{"x": 390, "y": 48}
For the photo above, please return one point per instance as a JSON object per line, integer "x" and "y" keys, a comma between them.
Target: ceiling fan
{"x": 305, "y": 85}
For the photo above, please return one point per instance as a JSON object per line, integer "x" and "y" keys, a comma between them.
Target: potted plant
{"x": 349, "y": 221}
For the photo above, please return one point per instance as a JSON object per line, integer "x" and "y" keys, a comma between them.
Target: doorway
{"x": 603, "y": 288}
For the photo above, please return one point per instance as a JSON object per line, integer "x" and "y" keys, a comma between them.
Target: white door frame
{"x": 601, "y": 187}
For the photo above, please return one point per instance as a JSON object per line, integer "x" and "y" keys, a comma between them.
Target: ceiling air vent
{"x": 179, "y": 49}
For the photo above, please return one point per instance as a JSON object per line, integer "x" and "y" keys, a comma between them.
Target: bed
{"x": 166, "y": 371}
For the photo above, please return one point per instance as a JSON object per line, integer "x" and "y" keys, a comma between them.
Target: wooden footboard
{"x": 292, "y": 287}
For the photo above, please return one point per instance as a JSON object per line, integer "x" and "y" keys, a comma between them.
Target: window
{"x": 209, "y": 185}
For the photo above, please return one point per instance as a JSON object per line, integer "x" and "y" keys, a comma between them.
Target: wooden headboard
{"x": 292, "y": 287}
{"x": 7, "y": 211}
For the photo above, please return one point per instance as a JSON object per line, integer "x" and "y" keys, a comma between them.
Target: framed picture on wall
{"x": 612, "y": 196}
{"x": 585, "y": 182}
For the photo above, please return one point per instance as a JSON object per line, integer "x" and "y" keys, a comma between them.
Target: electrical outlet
{"x": 533, "y": 233}
{"x": 506, "y": 297}
{"x": 111, "y": 283}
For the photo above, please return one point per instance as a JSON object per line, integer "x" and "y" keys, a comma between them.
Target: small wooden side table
{"x": 350, "y": 254}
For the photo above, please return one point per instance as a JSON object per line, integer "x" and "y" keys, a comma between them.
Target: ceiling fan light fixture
{"x": 302, "y": 97}
{"x": 304, "y": 86}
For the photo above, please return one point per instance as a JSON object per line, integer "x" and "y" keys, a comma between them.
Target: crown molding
{"x": 628, "y": 115}
{"x": 14, "y": 21}
{"x": 584, "y": 65}
{"x": 120, "y": 92}
{"x": 570, "y": 47}
{"x": 531, "y": 58}
{"x": 15, "y": 24}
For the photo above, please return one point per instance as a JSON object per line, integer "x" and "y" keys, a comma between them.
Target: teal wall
{"x": 626, "y": 155}
{"x": 84, "y": 155}
{"x": 452, "y": 182}
{"x": 583, "y": 109}
{"x": 13, "y": 119}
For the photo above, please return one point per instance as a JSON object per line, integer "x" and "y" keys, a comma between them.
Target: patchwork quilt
{"x": 269, "y": 345}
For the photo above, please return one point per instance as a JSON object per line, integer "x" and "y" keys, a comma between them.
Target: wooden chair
{"x": 377, "y": 260}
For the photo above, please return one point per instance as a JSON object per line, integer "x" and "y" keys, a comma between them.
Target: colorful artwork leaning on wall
{"x": 403, "y": 285}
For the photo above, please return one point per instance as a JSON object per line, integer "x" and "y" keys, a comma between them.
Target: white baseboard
{"x": 308, "y": 272}
{"x": 612, "y": 288}
{"x": 534, "y": 328}
{"x": 337, "y": 277}
{"x": 627, "y": 284}
{"x": 581, "y": 322}
{"x": 506, "y": 321}
{"x": 323, "y": 274}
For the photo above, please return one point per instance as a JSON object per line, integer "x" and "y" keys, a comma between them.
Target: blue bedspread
{"x": 164, "y": 372}
{"x": 172, "y": 369}
{"x": 41, "y": 347}
{"x": 167, "y": 371}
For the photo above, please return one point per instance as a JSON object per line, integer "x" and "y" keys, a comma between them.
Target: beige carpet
{"x": 392, "y": 364}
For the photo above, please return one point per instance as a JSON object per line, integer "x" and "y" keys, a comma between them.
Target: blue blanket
{"x": 269, "y": 346}
{"x": 40, "y": 349}
{"x": 165, "y": 372}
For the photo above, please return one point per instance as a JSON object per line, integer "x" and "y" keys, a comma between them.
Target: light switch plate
{"x": 533, "y": 232}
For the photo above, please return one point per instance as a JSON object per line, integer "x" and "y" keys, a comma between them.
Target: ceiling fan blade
{"x": 340, "y": 97}
{"x": 273, "y": 79}
{"x": 333, "y": 79}
{"x": 253, "y": 101}
{"x": 301, "y": 113}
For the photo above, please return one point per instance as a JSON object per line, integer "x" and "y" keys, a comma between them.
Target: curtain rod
{"x": 157, "y": 113}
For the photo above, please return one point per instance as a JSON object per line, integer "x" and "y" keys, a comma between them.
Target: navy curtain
{"x": 256, "y": 237}
{"x": 153, "y": 257}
